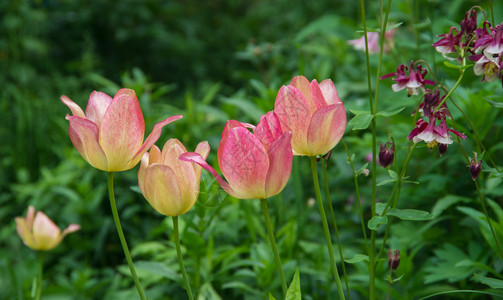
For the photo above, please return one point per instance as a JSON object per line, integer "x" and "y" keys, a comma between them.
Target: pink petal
{"x": 122, "y": 129}
{"x": 225, "y": 133}
{"x": 198, "y": 159}
{"x": 71, "y": 228}
{"x": 85, "y": 138}
{"x": 318, "y": 101}
{"x": 151, "y": 139}
{"x": 303, "y": 85}
{"x": 268, "y": 129}
{"x": 244, "y": 163}
{"x": 326, "y": 129}
{"x": 76, "y": 110}
{"x": 45, "y": 232}
{"x": 280, "y": 165}
{"x": 162, "y": 190}
{"x": 294, "y": 114}
{"x": 329, "y": 92}
{"x": 147, "y": 159}
{"x": 97, "y": 106}
{"x": 203, "y": 148}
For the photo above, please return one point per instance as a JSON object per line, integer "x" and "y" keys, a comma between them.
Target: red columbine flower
{"x": 469, "y": 23}
{"x": 393, "y": 259}
{"x": 413, "y": 82}
{"x": 431, "y": 102}
{"x": 475, "y": 166}
{"x": 448, "y": 43}
{"x": 432, "y": 134}
{"x": 386, "y": 154}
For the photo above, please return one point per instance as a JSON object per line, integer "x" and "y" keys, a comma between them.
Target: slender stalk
{"x": 327, "y": 192}
{"x": 355, "y": 175}
{"x": 481, "y": 197}
{"x": 180, "y": 258}
{"x": 38, "y": 287}
{"x": 325, "y": 227}
{"x": 121, "y": 234}
{"x": 272, "y": 240}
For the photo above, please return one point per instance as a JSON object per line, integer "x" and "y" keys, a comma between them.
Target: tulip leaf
{"x": 376, "y": 221}
{"x": 389, "y": 113}
{"x": 492, "y": 282}
{"x": 293, "y": 292}
{"x": 409, "y": 214}
{"x": 357, "y": 258}
{"x": 361, "y": 120}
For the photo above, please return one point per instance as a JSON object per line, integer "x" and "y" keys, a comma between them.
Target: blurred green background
{"x": 213, "y": 61}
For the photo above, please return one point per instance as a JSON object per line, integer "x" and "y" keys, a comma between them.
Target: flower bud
{"x": 366, "y": 172}
{"x": 386, "y": 154}
{"x": 442, "y": 148}
{"x": 475, "y": 167}
{"x": 393, "y": 259}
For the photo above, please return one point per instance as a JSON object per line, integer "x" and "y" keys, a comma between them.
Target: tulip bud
{"x": 393, "y": 259}
{"x": 475, "y": 167}
{"x": 386, "y": 154}
{"x": 442, "y": 148}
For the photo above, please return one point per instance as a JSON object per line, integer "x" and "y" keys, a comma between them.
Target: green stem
{"x": 121, "y": 235}
{"x": 355, "y": 175}
{"x": 325, "y": 227}
{"x": 272, "y": 240}
{"x": 327, "y": 192}
{"x": 481, "y": 197}
{"x": 180, "y": 258}
{"x": 38, "y": 288}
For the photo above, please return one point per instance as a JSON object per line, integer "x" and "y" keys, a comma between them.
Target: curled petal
{"x": 280, "y": 165}
{"x": 203, "y": 148}
{"x": 85, "y": 138}
{"x": 76, "y": 110}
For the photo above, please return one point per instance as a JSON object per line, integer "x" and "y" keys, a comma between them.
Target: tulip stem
{"x": 325, "y": 228}
{"x": 272, "y": 240}
{"x": 37, "y": 295}
{"x": 327, "y": 191}
{"x": 180, "y": 258}
{"x": 121, "y": 235}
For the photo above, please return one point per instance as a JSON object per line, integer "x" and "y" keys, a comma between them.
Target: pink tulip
{"x": 313, "y": 113}
{"x": 110, "y": 134}
{"x": 256, "y": 165}
{"x": 38, "y": 231}
{"x": 170, "y": 185}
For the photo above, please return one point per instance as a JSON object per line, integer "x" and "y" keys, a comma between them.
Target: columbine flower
{"x": 431, "y": 102}
{"x": 442, "y": 148}
{"x": 413, "y": 82}
{"x": 393, "y": 259}
{"x": 432, "y": 134}
{"x": 373, "y": 42}
{"x": 469, "y": 23}
{"x": 490, "y": 68}
{"x": 475, "y": 166}
{"x": 386, "y": 154}
{"x": 448, "y": 43}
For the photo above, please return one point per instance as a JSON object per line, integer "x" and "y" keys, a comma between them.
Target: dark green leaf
{"x": 293, "y": 292}
{"x": 492, "y": 282}
{"x": 376, "y": 221}
{"x": 409, "y": 214}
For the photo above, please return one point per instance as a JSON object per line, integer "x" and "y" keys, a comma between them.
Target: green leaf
{"x": 376, "y": 221}
{"x": 492, "y": 282}
{"x": 386, "y": 182}
{"x": 361, "y": 120}
{"x": 370, "y": 29}
{"x": 447, "y": 201}
{"x": 390, "y": 113}
{"x": 380, "y": 208}
{"x": 293, "y": 292}
{"x": 409, "y": 214}
{"x": 452, "y": 66}
{"x": 357, "y": 258}
{"x": 393, "y": 174}
{"x": 271, "y": 297}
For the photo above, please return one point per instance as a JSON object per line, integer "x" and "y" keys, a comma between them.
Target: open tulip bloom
{"x": 39, "y": 232}
{"x": 109, "y": 135}
{"x": 313, "y": 113}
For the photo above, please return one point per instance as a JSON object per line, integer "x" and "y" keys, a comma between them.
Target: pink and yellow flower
{"x": 109, "y": 135}
{"x": 40, "y": 233}
{"x": 313, "y": 113}
{"x": 256, "y": 165}
{"x": 170, "y": 185}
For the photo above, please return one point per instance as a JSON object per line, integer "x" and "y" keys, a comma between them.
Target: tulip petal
{"x": 97, "y": 106}
{"x": 304, "y": 86}
{"x": 198, "y": 159}
{"x": 329, "y": 92}
{"x": 318, "y": 99}
{"x": 45, "y": 232}
{"x": 268, "y": 129}
{"x": 85, "y": 138}
{"x": 280, "y": 165}
{"x": 162, "y": 190}
{"x": 326, "y": 129}
{"x": 225, "y": 133}
{"x": 122, "y": 129}
{"x": 203, "y": 148}
{"x": 244, "y": 163}
{"x": 76, "y": 110}
{"x": 151, "y": 139}
{"x": 294, "y": 114}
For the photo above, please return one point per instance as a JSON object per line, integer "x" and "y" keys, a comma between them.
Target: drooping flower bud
{"x": 475, "y": 167}
{"x": 442, "y": 148}
{"x": 386, "y": 154}
{"x": 393, "y": 259}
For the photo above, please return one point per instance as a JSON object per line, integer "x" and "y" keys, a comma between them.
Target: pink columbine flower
{"x": 431, "y": 133}
{"x": 40, "y": 233}
{"x": 431, "y": 102}
{"x": 412, "y": 82}
{"x": 170, "y": 185}
{"x": 373, "y": 42}
{"x": 109, "y": 135}
{"x": 256, "y": 165}
{"x": 475, "y": 166}
{"x": 448, "y": 43}
{"x": 313, "y": 113}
